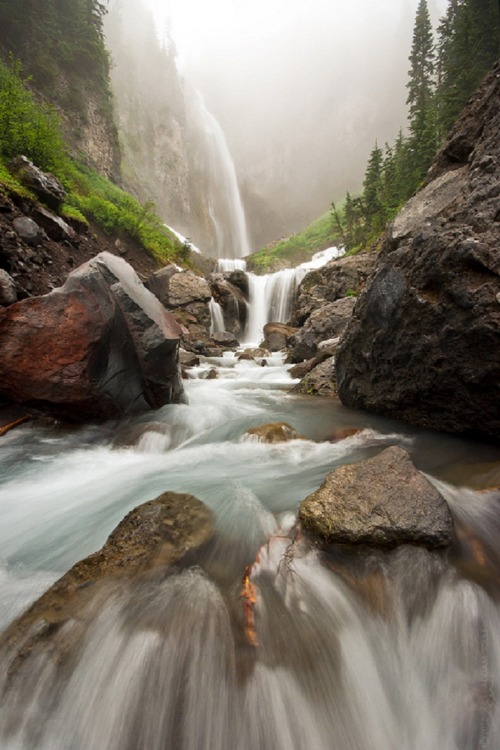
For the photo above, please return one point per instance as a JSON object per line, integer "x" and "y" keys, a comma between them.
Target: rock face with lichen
{"x": 382, "y": 501}
{"x": 424, "y": 341}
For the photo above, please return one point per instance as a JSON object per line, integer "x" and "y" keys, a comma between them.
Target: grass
{"x": 298, "y": 248}
{"x": 32, "y": 128}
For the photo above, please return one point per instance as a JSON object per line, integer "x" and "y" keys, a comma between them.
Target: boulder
{"x": 45, "y": 186}
{"x": 424, "y": 342}
{"x": 320, "y": 379}
{"x": 55, "y": 227}
{"x": 155, "y": 535}
{"x": 188, "y": 359}
{"x": 256, "y": 353}
{"x": 276, "y": 432}
{"x": 100, "y": 346}
{"x": 324, "y": 324}
{"x": 233, "y": 301}
{"x": 159, "y": 280}
{"x": 341, "y": 277}
{"x": 276, "y": 336}
{"x": 185, "y": 288}
{"x": 187, "y": 296}
{"x": 28, "y": 230}
{"x": 8, "y": 293}
{"x": 382, "y": 501}
{"x": 225, "y": 339}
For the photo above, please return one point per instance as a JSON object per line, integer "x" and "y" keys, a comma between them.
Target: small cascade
{"x": 225, "y": 204}
{"x": 271, "y": 296}
{"x": 216, "y": 317}
{"x": 271, "y": 299}
{"x": 227, "y": 265}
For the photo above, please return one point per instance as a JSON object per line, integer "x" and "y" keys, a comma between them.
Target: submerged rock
{"x": 155, "y": 535}
{"x": 100, "y": 346}
{"x": 276, "y": 432}
{"x": 382, "y": 501}
{"x": 424, "y": 342}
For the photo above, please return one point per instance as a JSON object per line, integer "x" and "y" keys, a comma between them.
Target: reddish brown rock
{"x": 100, "y": 346}
{"x": 275, "y": 432}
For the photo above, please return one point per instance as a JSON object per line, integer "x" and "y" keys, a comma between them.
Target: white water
{"x": 271, "y": 296}
{"x": 380, "y": 651}
{"x": 226, "y": 265}
{"x": 216, "y": 317}
{"x": 225, "y": 204}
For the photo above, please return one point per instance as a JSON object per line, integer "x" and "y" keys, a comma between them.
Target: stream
{"x": 395, "y": 650}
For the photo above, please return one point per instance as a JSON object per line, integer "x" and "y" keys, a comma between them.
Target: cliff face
{"x": 61, "y": 47}
{"x": 164, "y": 148}
{"x": 424, "y": 341}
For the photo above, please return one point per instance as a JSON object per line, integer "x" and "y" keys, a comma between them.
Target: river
{"x": 350, "y": 651}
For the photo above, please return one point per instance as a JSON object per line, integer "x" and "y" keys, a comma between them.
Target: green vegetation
{"x": 54, "y": 39}
{"x": 298, "y": 248}
{"x": 442, "y": 77}
{"x": 32, "y": 128}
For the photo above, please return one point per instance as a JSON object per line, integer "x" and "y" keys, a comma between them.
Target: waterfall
{"x": 272, "y": 295}
{"x": 226, "y": 265}
{"x": 341, "y": 650}
{"x": 225, "y": 204}
{"x": 271, "y": 298}
{"x": 216, "y": 317}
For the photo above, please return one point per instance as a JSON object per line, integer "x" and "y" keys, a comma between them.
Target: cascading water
{"x": 271, "y": 296}
{"x": 394, "y": 650}
{"x": 225, "y": 204}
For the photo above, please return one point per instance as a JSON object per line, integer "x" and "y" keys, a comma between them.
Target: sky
{"x": 302, "y": 88}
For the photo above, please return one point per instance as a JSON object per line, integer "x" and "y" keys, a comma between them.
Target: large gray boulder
{"x": 382, "y": 501}
{"x": 424, "y": 342}
{"x": 324, "y": 324}
{"x": 100, "y": 346}
{"x": 340, "y": 278}
{"x": 187, "y": 296}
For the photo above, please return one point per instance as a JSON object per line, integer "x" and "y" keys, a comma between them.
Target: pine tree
{"x": 468, "y": 45}
{"x": 421, "y": 99}
{"x": 372, "y": 191}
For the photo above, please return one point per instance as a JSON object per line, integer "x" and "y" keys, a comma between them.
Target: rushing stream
{"x": 370, "y": 651}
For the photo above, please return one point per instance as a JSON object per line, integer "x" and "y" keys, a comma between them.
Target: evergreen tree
{"x": 421, "y": 99}
{"x": 374, "y": 214}
{"x": 468, "y": 45}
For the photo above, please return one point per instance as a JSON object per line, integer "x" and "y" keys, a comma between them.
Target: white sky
{"x": 212, "y": 27}
{"x": 302, "y": 88}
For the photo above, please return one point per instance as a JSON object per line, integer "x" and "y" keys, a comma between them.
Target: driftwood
{"x": 4, "y": 430}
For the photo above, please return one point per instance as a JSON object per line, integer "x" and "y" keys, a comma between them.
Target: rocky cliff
{"x": 424, "y": 341}
{"x": 61, "y": 48}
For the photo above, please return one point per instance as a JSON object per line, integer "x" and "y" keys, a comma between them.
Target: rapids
{"x": 395, "y": 650}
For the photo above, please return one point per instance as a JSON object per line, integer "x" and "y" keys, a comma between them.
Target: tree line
{"x": 445, "y": 69}
{"x": 60, "y": 44}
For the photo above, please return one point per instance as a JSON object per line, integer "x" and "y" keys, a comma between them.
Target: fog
{"x": 302, "y": 90}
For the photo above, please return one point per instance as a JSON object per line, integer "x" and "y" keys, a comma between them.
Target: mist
{"x": 301, "y": 91}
